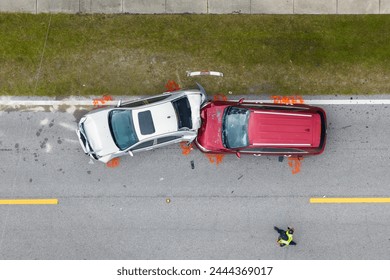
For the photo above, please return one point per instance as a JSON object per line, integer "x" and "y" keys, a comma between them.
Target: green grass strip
{"x": 138, "y": 54}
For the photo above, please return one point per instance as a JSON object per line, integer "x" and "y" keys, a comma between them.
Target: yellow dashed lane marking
{"x": 29, "y": 201}
{"x": 350, "y": 200}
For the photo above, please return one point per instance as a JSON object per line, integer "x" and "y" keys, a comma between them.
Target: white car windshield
{"x": 122, "y": 128}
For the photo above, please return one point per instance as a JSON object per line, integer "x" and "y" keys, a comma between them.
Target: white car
{"x": 141, "y": 124}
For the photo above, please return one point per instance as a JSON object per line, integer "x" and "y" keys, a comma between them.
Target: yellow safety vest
{"x": 288, "y": 241}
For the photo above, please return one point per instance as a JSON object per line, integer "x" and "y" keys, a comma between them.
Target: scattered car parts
{"x": 204, "y": 73}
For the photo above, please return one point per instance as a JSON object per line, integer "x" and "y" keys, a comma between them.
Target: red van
{"x": 250, "y": 127}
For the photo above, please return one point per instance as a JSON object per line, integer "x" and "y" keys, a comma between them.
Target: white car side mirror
{"x": 131, "y": 153}
{"x": 119, "y": 103}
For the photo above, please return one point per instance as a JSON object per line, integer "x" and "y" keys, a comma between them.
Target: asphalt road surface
{"x": 156, "y": 206}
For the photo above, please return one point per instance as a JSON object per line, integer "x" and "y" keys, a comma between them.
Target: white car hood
{"x": 98, "y": 133}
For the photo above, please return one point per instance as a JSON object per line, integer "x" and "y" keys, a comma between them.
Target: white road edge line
{"x": 334, "y": 101}
{"x": 349, "y": 102}
{"x": 53, "y": 103}
{"x": 90, "y": 102}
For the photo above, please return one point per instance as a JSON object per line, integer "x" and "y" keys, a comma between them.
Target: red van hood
{"x": 284, "y": 129}
{"x": 210, "y": 133}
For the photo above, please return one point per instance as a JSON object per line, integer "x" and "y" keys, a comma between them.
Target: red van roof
{"x": 288, "y": 129}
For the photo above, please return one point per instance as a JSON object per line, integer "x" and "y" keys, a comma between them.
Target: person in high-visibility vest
{"x": 285, "y": 236}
